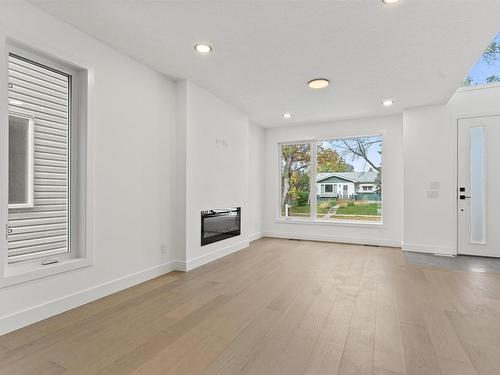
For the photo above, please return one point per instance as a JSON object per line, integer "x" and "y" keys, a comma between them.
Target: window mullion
{"x": 314, "y": 170}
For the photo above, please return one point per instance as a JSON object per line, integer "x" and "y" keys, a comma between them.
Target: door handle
{"x": 464, "y": 197}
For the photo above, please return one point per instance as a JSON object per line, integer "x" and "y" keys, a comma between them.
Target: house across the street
{"x": 347, "y": 185}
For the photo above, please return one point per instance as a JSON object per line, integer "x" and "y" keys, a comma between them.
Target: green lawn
{"x": 362, "y": 209}
{"x": 322, "y": 209}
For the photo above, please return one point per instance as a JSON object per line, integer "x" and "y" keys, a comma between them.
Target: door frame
{"x": 456, "y": 119}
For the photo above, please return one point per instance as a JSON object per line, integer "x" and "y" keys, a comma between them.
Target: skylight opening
{"x": 487, "y": 69}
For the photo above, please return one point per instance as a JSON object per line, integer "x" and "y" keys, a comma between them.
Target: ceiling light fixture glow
{"x": 202, "y": 48}
{"x": 318, "y": 83}
{"x": 388, "y": 102}
{"x": 287, "y": 116}
{"x": 390, "y": 1}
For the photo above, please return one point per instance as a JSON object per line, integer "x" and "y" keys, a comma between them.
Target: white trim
{"x": 21, "y": 272}
{"x": 474, "y": 115}
{"x": 346, "y": 223}
{"x": 335, "y": 174}
{"x": 313, "y": 167}
{"x": 428, "y": 249}
{"x": 328, "y": 238}
{"x": 201, "y": 260}
{"x": 478, "y": 87}
{"x": 84, "y": 97}
{"x": 34, "y": 314}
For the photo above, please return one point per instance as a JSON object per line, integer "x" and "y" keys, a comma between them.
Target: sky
{"x": 359, "y": 164}
{"x": 482, "y": 70}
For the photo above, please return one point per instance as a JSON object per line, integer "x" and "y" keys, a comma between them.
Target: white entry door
{"x": 479, "y": 186}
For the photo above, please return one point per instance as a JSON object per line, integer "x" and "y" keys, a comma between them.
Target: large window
{"x": 47, "y": 216}
{"x": 333, "y": 180}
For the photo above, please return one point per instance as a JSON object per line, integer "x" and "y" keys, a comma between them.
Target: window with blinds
{"x": 39, "y": 165}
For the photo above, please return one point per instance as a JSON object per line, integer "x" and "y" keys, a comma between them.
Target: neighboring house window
{"x": 21, "y": 150}
{"x": 334, "y": 169}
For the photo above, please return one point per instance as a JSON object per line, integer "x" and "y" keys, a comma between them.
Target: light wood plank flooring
{"x": 279, "y": 307}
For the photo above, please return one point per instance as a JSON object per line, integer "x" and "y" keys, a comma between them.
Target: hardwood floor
{"x": 279, "y": 307}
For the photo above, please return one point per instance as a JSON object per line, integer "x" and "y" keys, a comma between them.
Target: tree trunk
{"x": 285, "y": 180}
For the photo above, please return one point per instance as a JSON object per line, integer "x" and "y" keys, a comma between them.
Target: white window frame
{"x": 81, "y": 237}
{"x": 31, "y": 174}
{"x": 312, "y": 219}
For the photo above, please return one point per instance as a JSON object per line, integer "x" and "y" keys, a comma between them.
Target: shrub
{"x": 303, "y": 198}
{"x": 350, "y": 204}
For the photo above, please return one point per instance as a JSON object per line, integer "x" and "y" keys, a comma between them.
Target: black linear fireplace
{"x": 219, "y": 224}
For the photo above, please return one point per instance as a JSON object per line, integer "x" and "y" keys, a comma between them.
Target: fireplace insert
{"x": 220, "y": 224}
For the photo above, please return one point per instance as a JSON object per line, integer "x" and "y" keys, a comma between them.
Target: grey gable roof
{"x": 362, "y": 177}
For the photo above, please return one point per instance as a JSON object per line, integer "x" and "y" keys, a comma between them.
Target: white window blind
{"x": 43, "y": 94}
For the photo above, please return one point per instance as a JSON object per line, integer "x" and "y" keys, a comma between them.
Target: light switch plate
{"x": 432, "y": 194}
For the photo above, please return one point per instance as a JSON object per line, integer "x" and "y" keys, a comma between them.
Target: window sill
{"x": 19, "y": 272}
{"x": 341, "y": 223}
{"x": 479, "y": 87}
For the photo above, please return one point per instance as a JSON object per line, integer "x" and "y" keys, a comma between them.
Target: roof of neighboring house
{"x": 362, "y": 177}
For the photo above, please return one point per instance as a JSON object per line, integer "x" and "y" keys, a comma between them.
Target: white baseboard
{"x": 255, "y": 236}
{"x": 326, "y": 238}
{"x": 34, "y": 314}
{"x": 193, "y": 263}
{"x": 429, "y": 249}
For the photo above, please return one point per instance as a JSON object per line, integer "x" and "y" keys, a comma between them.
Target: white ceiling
{"x": 416, "y": 52}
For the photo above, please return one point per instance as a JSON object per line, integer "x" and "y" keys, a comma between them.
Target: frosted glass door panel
{"x": 477, "y": 185}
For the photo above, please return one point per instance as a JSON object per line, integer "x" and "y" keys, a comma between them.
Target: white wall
{"x": 387, "y": 234}
{"x": 217, "y": 172}
{"x": 428, "y": 160}
{"x": 430, "y": 151}
{"x": 256, "y": 163}
{"x": 134, "y": 143}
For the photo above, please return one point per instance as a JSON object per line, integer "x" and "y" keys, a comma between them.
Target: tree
{"x": 378, "y": 182}
{"x": 490, "y": 57}
{"x": 329, "y": 160}
{"x": 492, "y": 53}
{"x": 493, "y": 78}
{"x": 295, "y": 161}
{"x": 468, "y": 81}
{"x": 360, "y": 148}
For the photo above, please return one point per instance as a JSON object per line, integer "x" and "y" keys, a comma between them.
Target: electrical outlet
{"x": 163, "y": 249}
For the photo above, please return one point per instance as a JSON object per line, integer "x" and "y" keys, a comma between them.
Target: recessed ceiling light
{"x": 287, "y": 115}
{"x": 390, "y": 1}
{"x": 318, "y": 83}
{"x": 202, "y": 48}
{"x": 388, "y": 102}
{"x": 15, "y": 102}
